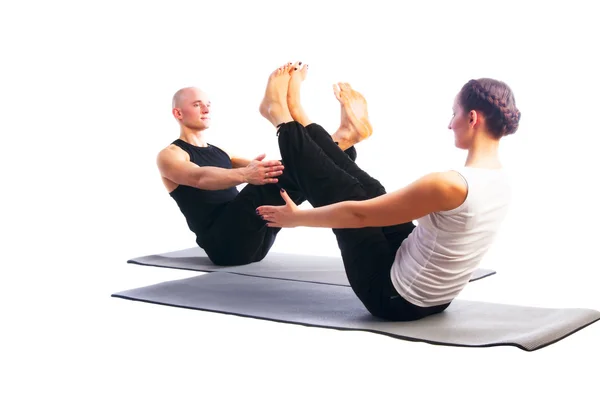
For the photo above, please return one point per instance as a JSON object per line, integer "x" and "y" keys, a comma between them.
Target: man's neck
{"x": 193, "y": 137}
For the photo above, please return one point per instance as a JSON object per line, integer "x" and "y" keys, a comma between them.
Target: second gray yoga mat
{"x": 318, "y": 269}
{"x": 464, "y": 323}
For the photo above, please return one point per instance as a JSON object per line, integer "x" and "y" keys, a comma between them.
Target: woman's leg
{"x": 366, "y": 252}
{"x": 354, "y": 128}
{"x": 238, "y": 226}
{"x": 313, "y": 172}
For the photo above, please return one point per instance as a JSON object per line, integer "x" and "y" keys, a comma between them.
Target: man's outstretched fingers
{"x": 272, "y": 163}
{"x": 271, "y": 174}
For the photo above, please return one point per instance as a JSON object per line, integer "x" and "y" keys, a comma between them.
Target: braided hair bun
{"x": 496, "y": 101}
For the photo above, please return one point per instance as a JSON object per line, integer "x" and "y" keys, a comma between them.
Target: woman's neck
{"x": 483, "y": 153}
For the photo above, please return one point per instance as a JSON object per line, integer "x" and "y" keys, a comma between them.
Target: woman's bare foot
{"x": 274, "y": 104}
{"x": 298, "y": 73}
{"x": 355, "y": 125}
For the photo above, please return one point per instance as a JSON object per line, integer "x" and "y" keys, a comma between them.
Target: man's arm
{"x": 175, "y": 166}
{"x": 237, "y": 162}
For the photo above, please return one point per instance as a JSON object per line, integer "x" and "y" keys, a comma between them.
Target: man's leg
{"x": 238, "y": 235}
{"x": 395, "y": 234}
{"x": 322, "y": 181}
{"x": 238, "y": 226}
{"x": 354, "y": 128}
{"x": 366, "y": 252}
{"x": 301, "y": 151}
{"x": 354, "y": 122}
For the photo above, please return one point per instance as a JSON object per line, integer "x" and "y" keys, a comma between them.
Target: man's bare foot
{"x": 274, "y": 104}
{"x": 355, "y": 125}
{"x": 298, "y": 73}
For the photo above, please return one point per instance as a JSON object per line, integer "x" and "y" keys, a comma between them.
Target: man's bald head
{"x": 191, "y": 107}
{"x": 183, "y": 94}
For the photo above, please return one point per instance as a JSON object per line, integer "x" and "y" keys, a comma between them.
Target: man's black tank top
{"x": 200, "y": 206}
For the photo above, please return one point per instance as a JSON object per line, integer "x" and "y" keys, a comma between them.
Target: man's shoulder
{"x": 172, "y": 151}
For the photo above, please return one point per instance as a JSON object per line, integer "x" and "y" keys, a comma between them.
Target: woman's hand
{"x": 281, "y": 216}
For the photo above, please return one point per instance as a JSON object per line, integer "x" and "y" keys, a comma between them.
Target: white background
{"x": 85, "y": 107}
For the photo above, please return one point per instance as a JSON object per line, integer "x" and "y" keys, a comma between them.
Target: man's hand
{"x": 261, "y": 172}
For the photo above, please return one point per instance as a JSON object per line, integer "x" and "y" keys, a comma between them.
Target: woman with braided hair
{"x": 418, "y": 274}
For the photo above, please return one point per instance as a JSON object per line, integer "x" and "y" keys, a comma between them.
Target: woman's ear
{"x": 473, "y": 118}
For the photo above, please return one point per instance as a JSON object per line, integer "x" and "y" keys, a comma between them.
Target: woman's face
{"x": 463, "y": 133}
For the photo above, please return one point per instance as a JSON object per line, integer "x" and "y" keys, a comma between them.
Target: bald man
{"x": 202, "y": 179}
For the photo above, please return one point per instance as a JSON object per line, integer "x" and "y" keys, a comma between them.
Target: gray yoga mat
{"x": 464, "y": 323}
{"x": 318, "y": 269}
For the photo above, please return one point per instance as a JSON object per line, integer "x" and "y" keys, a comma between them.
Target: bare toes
{"x": 336, "y": 92}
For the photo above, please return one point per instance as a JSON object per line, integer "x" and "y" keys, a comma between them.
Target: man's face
{"x": 193, "y": 109}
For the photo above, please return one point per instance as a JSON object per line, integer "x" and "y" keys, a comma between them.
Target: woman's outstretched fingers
{"x": 286, "y": 197}
{"x": 264, "y": 210}
{"x": 267, "y": 213}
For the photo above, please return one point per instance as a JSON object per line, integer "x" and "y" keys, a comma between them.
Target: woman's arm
{"x": 431, "y": 193}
